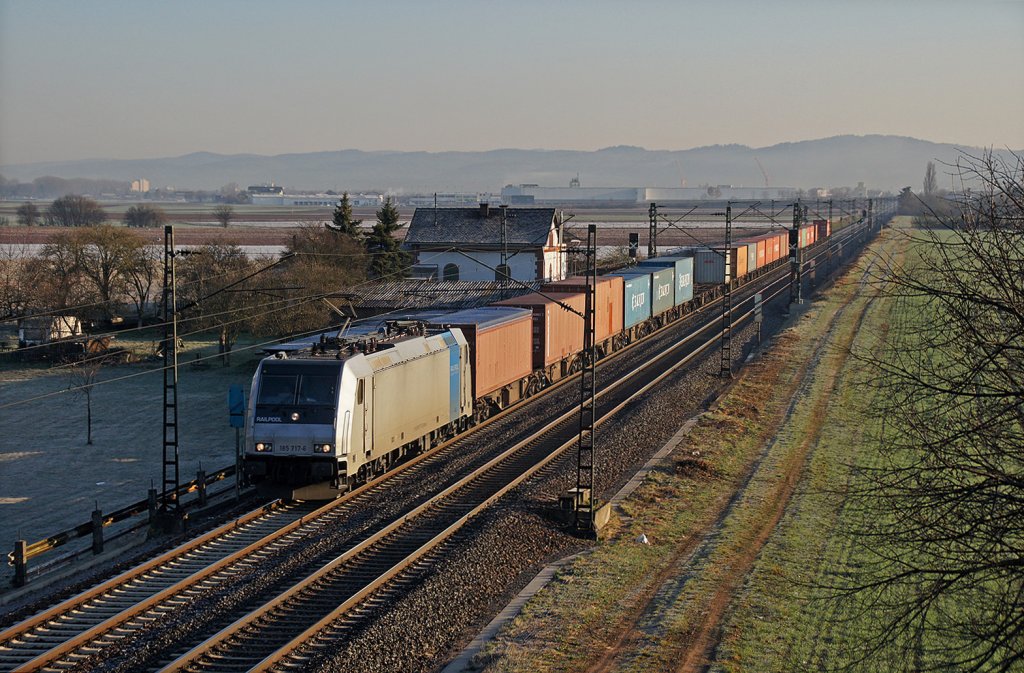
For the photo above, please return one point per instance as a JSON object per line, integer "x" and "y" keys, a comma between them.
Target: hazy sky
{"x": 144, "y": 79}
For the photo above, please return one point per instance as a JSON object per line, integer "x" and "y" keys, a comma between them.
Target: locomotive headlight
{"x": 323, "y": 448}
{"x": 261, "y": 447}
{"x": 295, "y": 415}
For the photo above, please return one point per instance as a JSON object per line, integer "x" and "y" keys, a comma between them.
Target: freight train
{"x": 341, "y": 410}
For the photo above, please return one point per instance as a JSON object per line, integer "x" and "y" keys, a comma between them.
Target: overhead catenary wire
{"x": 154, "y": 370}
{"x": 290, "y": 302}
{"x": 130, "y": 330}
{"x": 185, "y": 284}
{"x": 309, "y": 298}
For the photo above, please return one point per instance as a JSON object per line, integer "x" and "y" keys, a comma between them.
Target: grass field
{"x": 743, "y": 527}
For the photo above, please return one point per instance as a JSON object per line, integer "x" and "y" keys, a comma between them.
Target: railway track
{"x": 72, "y": 620}
{"x": 78, "y": 630}
{"x": 330, "y": 603}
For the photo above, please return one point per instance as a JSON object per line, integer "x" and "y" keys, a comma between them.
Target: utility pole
{"x": 828, "y": 228}
{"x": 169, "y": 505}
{"x": 726, "y": 349}
{"x": 170, "y": 509}
{"x": 795, "y": 270}
{"x": 503, "y": 267}
{"x": 652, "y": 237}
{"x": 585, "y": 497}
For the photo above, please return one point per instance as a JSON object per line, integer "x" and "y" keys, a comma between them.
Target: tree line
{"x": 99, "y": 272}
{"x": 72, "y": 210}
{"x": 49, "y": 187}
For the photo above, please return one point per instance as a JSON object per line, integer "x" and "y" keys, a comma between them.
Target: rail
{"x": 101, "y": 608}
{"x": 25, "y": 551}
{"x": 267, "y": 636}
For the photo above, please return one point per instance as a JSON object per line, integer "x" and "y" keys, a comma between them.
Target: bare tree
{"x": 931, "y": 185}
{"x": 141, "y": 272}
{"x": 81, "y": 379}
{"x": 86, "y": 266}
{"x": 107, "y": 254}
{"x": 204, "y": 281}
{"x": 224, "y": 215}
{"x": 56, "y": 274}
{"x": 75, "y": 211}
{"x": 144, "y": 216}
{"x": 15, "y": 285}
{"x": 28, "y": 214}
{"x": 944, "y": 510}
{"x": 325, "y": 264}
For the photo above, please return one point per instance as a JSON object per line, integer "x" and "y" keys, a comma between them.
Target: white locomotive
{"x": 347, "y": 409}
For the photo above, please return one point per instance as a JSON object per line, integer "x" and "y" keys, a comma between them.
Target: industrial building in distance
{"x": 274, "y": 195}
{"x": 533, "y": 195}
{"x": 530, "y": 194}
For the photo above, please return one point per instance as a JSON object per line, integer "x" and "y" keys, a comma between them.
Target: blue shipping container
{"x": 636, "y": 300}
{"x": 662, "y": 289}
{"x": 454, "y": 376}
{"x": 683, "y": 274}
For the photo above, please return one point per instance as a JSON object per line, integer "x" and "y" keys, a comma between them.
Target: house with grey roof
{"x": 484, "y": 243}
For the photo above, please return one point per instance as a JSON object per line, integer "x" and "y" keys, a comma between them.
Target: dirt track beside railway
{"x": 749, "y": 454}
{"x": 694, "y": 656}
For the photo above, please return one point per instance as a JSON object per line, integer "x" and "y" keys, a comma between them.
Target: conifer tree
{"x": 387, "y": 259}
{"x": 343, "y": 222}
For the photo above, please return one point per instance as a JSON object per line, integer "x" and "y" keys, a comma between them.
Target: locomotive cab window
{"x": 308, "y": 386}
{"x": 277, "y": 389}
{"x": 317, "y": 389}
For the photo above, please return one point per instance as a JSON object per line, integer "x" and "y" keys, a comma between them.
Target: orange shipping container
{"x": 739, "y": 259}
{"x": 762, "y": 252}
{"x": 557, "y": 332}
{"x": 823, "y": 229}
{"x": 499, "y": 344}
{"x": 608, "y": 297}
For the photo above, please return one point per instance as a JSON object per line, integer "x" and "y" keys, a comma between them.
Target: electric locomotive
{"x": 347, "y": 409}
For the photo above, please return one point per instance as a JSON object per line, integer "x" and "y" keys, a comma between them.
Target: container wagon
{"x": 557, "y": 334}
{"x": 500, "y": 354}
{"x": 663, "y": 294}
{"x": 608, "y": 305}
{"x": 751, "y": 255}
{"x": 636, "y": 304}
{"x": 683, "y": 266}
{"x": 709, "y": 264}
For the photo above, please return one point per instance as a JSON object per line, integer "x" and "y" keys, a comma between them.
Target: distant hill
{"x": 882, "y": 162}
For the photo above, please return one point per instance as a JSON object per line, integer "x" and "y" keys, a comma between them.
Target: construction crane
{"x": 763, "y": 171}
{"x": 682, "y": 177}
